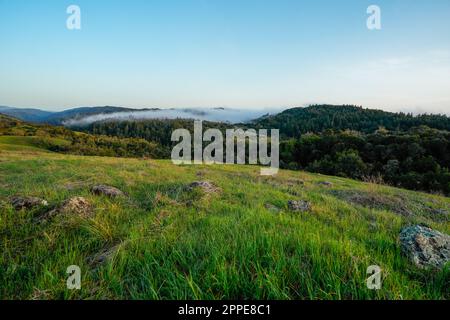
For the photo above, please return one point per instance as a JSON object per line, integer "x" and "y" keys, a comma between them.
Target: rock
{"x": 76, "y": 205}
{"x": 20, "y": 203}
{"x": 271, "y": 207}
{"x": 425, "y": 247}
{"x": 108, "y": 191}
{"x": 206, "y": 186}
{"x": 299, "y": 205}
{"x": 325, "y": 183}
{"x": 377, "y": 201}
{"x": 103, "y": 256}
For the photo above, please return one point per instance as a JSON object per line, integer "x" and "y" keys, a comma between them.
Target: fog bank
{"x": 216, "y": 115}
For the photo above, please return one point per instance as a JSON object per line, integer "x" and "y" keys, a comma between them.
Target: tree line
{"x": 404, "y": 150}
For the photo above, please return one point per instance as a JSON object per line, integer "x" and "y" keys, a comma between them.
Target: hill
{"x": 318, "y": 118}
{"x": 58, "y": 118}
{"x": 416, "y": 158}
{"x": 165, "y": 240}
{"x": 26, "y": 114}
{"x": 60, "y": 139}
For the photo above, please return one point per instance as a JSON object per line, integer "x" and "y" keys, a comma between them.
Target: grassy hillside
{"x": 166, "y": 241}
{"x": 60, "y": 139}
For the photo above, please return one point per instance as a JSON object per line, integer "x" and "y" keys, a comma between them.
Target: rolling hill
{"x": 318, "y": 118}
{"x": 63, "y": 140}
{"x": 240, "y": 238}
{"x": 58, "y": 118}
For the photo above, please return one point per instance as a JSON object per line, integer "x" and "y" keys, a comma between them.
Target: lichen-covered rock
{"x": 299, "y": 205}
{"x": 108, "y": 191}
{"x": 74, "y": 206}
{"x": 103, "y": 256}
{"x": 77, "y": 205}
{"x": 206, "y": 186}
{"x": 425, "y": 247}
{"x": 20, "y": 203}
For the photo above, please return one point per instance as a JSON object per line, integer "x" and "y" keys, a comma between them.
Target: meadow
{"x": 164, "y": 240}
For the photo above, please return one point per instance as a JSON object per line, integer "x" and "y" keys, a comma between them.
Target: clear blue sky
{"x": 241, "y": 54}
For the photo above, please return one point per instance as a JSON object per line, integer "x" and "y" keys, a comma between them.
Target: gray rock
{"x": 20, "y": 203}
{"x": 425, "y": 247}
{"x": 325, "y": 183}
{"x": 206, "y": 186}
{"x": 104, "y": 256}
{"x": 108, "y": 191}
{"x": 299, "y": 205}
{"x": 76, "y": 205}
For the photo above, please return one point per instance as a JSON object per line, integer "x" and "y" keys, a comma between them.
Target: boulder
{"x": 325, "y": 183}
{"x": 108, "y": 191}
{"x": 20, "y": 203}
{"x": 75, "y": 206}
{"x": 206, "y": 186}
{"x": 425, "y": 247}
{"x": 104, "y": 256}
{"x": 299, "y": 205}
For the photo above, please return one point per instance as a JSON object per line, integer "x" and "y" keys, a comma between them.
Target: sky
{"x": 246, "y": 54}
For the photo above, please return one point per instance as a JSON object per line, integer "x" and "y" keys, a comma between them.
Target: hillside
{"x": 239, "y": 240}
{"x": 60, "y": 139}
{"x": 317, "y": 118}
{"x": 25, "y": 114}
{"x": 416, "y": 158}
{"x": 59, "y": 117}
{"x": 291, "y": 122}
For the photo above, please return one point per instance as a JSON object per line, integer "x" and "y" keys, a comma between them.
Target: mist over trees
{"x": 403, "y": 150}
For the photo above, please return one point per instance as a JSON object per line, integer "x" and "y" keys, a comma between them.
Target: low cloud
{"x": 216, "y": 114}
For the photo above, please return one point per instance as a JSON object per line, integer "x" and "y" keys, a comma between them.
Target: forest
{"x": 399, "y": 149}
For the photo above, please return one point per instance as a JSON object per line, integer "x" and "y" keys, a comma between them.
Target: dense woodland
{"x": 318, "y": 118}
{"x": 418, "y": 159}
{"x": 400, "y": 149}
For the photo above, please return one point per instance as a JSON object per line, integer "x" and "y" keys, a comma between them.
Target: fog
{"x": 216, "y": 114}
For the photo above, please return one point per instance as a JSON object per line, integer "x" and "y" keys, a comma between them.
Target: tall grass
{"x": 164, "y": 241}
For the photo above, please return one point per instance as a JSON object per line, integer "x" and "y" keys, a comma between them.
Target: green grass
{"x": 167, "y": 242}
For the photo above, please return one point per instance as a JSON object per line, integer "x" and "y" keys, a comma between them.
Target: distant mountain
{"x": 87, "y": 115}
{"x": 317, "y": 118}
{"x": 28, "y": 114}
{"x": 80, "y": 113}
{"x": 57, "y": 118}
{"x": 291, "y": 122}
